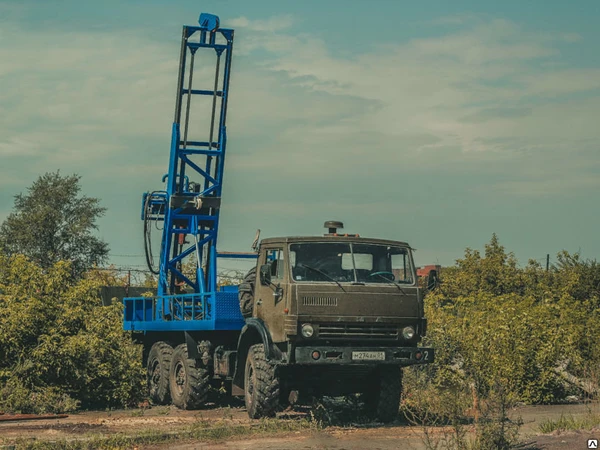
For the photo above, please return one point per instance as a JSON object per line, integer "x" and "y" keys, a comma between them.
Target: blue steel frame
{"x": 190, "y": 204}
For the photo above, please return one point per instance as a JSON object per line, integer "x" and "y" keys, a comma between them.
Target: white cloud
{"x": 480, "y": 94}
{"x": 78, "y": 99}
{"x": 457, "y": 19}
{"x": 493, "y": 73}
{"x": 545, "y": 186}
{"x": 269, "y": 25}
{"x": 18, "y": 145}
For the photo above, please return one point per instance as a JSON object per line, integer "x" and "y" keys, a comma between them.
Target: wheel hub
{"x": 180, "y": 377}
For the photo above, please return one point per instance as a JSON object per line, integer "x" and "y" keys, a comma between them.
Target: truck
{"x": 326, "y": 315}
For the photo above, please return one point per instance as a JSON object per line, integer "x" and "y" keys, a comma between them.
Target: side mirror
{"x": 432, "y": 280}
{"x": 265, "y": 274}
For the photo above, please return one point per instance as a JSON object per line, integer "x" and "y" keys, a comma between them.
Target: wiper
{"x": 324, "y": 274}
{"x": 390, "y": 281}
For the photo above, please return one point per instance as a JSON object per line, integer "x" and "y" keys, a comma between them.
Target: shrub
{"x": 495, "y": 323}
{"x": 59, "y": 347}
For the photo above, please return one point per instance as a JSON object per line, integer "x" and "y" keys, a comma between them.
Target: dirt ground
{"x": 169, "y": 419}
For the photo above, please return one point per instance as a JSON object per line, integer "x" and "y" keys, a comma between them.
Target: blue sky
{"x": 438, "y": 123}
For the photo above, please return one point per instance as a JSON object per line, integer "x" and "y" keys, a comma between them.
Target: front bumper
{"x": 400, "y": 356}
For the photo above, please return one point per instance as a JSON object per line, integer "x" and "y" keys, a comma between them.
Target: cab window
{"x": 274, "y": 258}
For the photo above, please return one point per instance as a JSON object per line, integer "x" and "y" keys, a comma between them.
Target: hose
{"x": 148, "y": 233}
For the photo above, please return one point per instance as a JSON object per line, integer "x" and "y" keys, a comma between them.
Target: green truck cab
{"x": 332, "y": 315}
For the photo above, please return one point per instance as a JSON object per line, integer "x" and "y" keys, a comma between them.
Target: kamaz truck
{"x": 325, "y": 315}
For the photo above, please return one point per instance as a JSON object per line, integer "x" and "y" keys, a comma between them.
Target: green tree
{"x": 53, "y": 222}
{"x": 500, "y": 326}
{"x": 59, "y": 347}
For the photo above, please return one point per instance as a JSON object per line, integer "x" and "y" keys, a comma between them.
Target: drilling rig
{"x": 325, "y": 315}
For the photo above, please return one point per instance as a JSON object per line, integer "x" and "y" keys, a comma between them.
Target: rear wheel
{"x": 246, "y": 293}
{"x": 382, "y": 398}
{"x": 159, "y": 363}
{"x": 189, "y": 383}
{"x": 261, "y": 385}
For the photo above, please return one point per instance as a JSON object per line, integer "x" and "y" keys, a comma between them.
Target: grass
{"x": 163, "y": 410}
{"x": 570, "y": 422}
{"x": 203, "y": 430}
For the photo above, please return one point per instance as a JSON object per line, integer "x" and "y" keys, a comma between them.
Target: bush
{"x": 493, "y": 322}
{"x": 504, "y": 335}
{"x": 59, "y": 348}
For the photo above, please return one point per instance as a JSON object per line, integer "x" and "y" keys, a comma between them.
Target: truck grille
{"x": 319, "y": 301}
{"x": 358, "y": 330}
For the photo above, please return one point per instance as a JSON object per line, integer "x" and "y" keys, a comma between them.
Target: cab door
{"x": 271, "y": 298}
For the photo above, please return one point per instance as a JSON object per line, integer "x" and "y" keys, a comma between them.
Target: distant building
{"x": 424, "y": 270}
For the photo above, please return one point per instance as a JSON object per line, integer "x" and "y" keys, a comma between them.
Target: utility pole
{"x": 547, "y": 261}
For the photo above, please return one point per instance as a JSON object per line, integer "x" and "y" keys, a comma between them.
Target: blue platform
{"x": 210, "y": 311}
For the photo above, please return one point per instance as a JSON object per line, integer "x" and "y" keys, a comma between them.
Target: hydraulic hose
{"x": 148, "y": 234}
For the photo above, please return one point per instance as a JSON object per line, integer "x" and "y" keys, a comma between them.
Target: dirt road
{"x": 170, "y": 420}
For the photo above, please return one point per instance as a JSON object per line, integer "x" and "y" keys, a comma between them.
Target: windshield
{"x": 350, "y": 262}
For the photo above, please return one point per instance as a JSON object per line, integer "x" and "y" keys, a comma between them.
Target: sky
{"x": 437, "y": 123}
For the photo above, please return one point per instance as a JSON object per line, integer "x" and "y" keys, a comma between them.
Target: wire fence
{"x": 139, "y": 274}
{"x": 133, "y": 275}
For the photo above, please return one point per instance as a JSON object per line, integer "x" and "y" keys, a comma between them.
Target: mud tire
{"x": 261, "y": 385}
{"x": 382, "y": 398}
{"x": 246, "y": 293}
{"x": 189, "y": 384}
{"x": 157, "y": 373}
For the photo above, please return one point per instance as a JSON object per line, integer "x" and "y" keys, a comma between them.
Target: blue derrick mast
{"x": 189, "y": 205}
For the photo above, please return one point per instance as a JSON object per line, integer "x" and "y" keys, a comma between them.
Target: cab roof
{"x": 331, "y": 238}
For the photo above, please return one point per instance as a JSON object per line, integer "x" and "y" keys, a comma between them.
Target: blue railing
{"x": 209, "y": 311}
{"x": 169, "y": 308}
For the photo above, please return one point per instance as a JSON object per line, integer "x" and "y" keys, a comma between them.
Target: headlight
{"x": 307, "y": 330}
{"x": 408, "y": 333}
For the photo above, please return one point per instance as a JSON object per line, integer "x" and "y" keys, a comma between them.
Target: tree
{"x": 500, "y": 326}
{"x": 59, "y": 347}
{"x": 52, "y": 223}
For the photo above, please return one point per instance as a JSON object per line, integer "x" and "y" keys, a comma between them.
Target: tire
{"x": 246, "y": 293}
{"x": 189, "y": 384}
{"x": 261, "y": 385}
{"x": 382, "y": 399}
{"x": 157, "y": 375}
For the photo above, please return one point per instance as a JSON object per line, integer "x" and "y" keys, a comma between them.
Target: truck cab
{"x": 343, "y": 314}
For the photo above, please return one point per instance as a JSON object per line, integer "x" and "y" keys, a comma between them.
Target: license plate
{"x": 368, "y": 356}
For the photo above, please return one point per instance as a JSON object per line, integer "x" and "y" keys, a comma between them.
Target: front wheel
{"x": 382, "y": 397}
{"x": 261, "y": 385}
{"x": 189, "y": 383}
